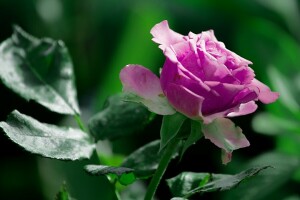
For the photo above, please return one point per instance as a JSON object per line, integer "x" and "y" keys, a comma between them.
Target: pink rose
{"x": 200, "y": 79}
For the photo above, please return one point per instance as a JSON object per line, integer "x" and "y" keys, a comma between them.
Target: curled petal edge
{"x": 142, "y": 86}
{"x": 244, "y": 109}
{"x": 225, "y": 135}
{"x": 266, "y": 96}
{"x": 163, "y": 35}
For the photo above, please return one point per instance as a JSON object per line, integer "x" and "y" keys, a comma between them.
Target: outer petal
{"x": 265, "y": 95}
{"x": 223, "y": 133}
{"x": 141, "y": 81}
{"x": 244, "y": 109}
{"x": 144, "y": 86}
{"x": 163, "y": 35}
{"x": 209, "y": 118}
{"x": 185, "y": 101}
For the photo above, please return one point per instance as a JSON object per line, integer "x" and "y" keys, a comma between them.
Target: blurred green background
{"x": 105, "y": 35}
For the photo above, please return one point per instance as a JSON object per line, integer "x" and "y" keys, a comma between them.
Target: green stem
{"x": 80, "y": 123}
{"x": 117, "y": 193}
{"x": 112, "y": 181}
{"x": 163, "y": 164}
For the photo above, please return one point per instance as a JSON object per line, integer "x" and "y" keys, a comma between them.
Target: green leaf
{"x": 39, "y": 70}
{"x": 119, "y": 118}
{"x": 135, "y": 191}
{"x": 145, "y": 160}
{"x": 181, "y": 184}
{"x": 112, "y": 160}
{"x": 47, "y": 140}
{"x": 267, "y": 183}
{"x": 270, "y": 124}
{"x": 194, "y": 136}
{"x": 125, "y": 175}
{"x": 285, "y": 86}
{"x": 63, "y": 194}
{"x": 187, "y": 184}
{"x": 170, "y": 127}
{"x": 53, "y": 172}
{"x": 293, "y": 197}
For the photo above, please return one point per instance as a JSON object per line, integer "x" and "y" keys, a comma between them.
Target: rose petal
{"x": 224, "y": 134}
{"x": 163, "y": 35}
{"x": 235, "y": 108}
{"x": 184, "y": 101}
{"x": 212, "y": 68}
{"x": 175, "y": 73}
{"x": 209, "y": 43}
{"x": 141, "y": 82}
{"x": 181, "y": 50}
{"x": 170, "y": 54}
{"x": 220, "y": 98}
{"x": 266, "y": 96}
{"x": 234, "y": 61}
{"x": 244, "y": 109}
{"x": 244, "y": 96}
{"x": 247, "y": 94}
{"x": 244, "y": 74}
{"x": 207, "y": 36}
{"x": 192, "y": 63}
{"x": 209, "y": 118}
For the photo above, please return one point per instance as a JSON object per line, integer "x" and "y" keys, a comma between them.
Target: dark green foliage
{"x": 145, "y": 160}
{"x": 63, "y": 194}
{"x": 268, "y": 183}
{"x": 187, "y": 184}
{"x": 170, "y": 127}
{"x": 193, "y": 137}
{"x": 124, "y": 175}
{"x": 118, "y": 119}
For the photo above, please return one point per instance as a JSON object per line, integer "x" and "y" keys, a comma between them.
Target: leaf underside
{"x": 125, "y": 175}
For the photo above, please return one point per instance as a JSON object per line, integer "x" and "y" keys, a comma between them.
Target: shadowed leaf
{"x": 269, "y": 182}
{"x": 187, "y": 184}
{"x": 170, "y": 127}
{"x": 118, "y": 118}
{"x": 145, "y": 160}
{"x": 63, "y": 194}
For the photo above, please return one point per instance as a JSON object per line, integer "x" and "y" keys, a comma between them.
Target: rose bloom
{"x": 200, "y": 79}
